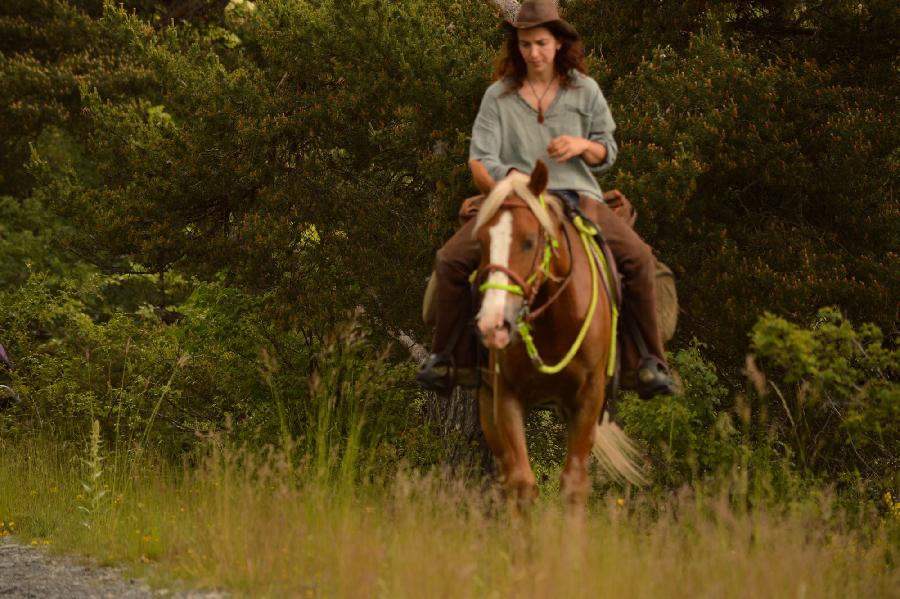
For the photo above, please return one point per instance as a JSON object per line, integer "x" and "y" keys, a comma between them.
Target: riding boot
{"x": 637, "y": 266}
{"x": 454, "y": 353}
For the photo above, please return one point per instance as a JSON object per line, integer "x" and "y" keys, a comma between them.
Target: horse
{"x": 543, "y": 300}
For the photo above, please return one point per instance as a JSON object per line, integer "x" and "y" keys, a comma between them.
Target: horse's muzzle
{"x": 497, "y": 317}
{"x": 497, "y": 336}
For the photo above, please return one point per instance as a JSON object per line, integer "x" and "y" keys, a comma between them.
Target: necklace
{"x": 540, "y": 98}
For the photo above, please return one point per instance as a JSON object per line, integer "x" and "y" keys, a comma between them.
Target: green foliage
{"x": 855, "y": 38}
{"x": 48, "y": 50}
{"x": 179, "y": 188}
{"x": 688, "y": 434}
{"x": 73, "y": 370}
{"x": 28, "y": 243}
{"x": 826, "y": 404}
{"x": 833, "y": 392}
{"x": 222, "y": 365}
{"x": 764, "y": 184}
{"x": 762, "y": 169}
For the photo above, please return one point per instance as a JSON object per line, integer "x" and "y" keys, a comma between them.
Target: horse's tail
{"x": 617, "y": 454}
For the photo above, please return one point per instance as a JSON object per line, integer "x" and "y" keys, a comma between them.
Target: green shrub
{"x": 222, "y": 365}
{"x": 764, "y": 184}
{"x": 833, "y": 393}
{"x": 687, "y": 434}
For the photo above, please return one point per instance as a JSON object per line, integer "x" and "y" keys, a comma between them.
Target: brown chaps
{"x": 461, "y": 255}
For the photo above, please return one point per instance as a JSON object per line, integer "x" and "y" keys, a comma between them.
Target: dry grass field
{"x": 262, "y": 528}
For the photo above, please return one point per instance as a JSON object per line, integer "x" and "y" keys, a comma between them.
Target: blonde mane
{"x": 518, "y": 183}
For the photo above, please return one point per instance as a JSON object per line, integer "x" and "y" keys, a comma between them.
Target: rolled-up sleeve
{"x": 602, "y": 128}
{"x": 487, "y": 138}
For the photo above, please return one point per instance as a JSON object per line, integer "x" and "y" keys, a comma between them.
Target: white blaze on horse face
{"x": 497, "y": 302}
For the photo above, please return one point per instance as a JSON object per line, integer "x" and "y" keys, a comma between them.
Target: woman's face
{"x": 538, "y": 47}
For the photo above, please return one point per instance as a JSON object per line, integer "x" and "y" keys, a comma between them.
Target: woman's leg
{"x": 454, "y": 262}
{"x": 637, "y": 265}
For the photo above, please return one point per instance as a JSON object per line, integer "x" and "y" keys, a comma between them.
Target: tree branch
{"x": 508, "y": 8}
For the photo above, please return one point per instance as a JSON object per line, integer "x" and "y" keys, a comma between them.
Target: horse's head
{"x": 513, "y": 228}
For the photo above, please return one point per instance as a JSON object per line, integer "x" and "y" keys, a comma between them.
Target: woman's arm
{"x": 565, "y": 147}
{"x": 487, "y": 138}
{"x": 482, "y": 178}
{"x": 596, "y": 144}
{"x": 601, "y": 133}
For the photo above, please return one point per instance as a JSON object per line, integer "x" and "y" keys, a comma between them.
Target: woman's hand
{"x": 565, "y": 147}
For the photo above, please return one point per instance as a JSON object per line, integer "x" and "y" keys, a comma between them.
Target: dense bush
{"x": 762, "y": 170}
{"x": 180, "y": 188}
{"x": 833, "y": 394}
{"x": 221, "y": 366}
{"x": 28, "y": 238}
{"x": 689, "y": 434}
{"x": 764, "y": 184}
{"x": 821, "y": 401}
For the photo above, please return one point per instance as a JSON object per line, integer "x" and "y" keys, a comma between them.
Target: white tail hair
{"x": 617, "y": 454}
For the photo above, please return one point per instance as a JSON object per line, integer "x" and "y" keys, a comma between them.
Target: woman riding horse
{"x": 543, "y": 106}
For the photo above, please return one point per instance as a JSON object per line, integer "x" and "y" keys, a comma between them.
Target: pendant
{"x": 541, "y": 115}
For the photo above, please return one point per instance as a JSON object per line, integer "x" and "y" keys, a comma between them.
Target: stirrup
{"x": 438, "y": 373}
{"x": 653, "y": 378}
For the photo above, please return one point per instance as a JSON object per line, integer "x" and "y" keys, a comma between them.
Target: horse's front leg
{"x": 582, "y": 423}
{"x": 503, "y": 424}
{"x": 508, "y": 419}
{"x": 518, "y": 478}
{"x": 489, "y": 424}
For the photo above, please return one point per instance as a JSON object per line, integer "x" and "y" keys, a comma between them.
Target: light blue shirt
{"x": 507, "y": 135}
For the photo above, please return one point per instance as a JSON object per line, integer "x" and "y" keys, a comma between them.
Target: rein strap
{"x": 597, "y": 262}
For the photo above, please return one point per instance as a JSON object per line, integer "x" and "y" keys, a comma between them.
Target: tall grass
{"x": 254, "y": 523}
{"x": 324, "y": 515}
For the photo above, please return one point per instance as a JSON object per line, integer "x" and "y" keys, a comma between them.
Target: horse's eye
{"x": 528, "y": 244}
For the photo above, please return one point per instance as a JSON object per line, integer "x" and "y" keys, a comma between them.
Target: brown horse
{"x": 533, "y": 263}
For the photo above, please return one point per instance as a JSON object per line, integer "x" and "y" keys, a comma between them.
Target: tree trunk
{"x": 456, "y": 418}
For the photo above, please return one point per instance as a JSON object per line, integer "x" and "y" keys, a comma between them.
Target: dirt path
{"x": 27, "y": 572}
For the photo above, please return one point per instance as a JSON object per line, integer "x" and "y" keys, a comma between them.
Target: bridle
{"x": 541, "y": 270}
{"x": 528, "y": 288}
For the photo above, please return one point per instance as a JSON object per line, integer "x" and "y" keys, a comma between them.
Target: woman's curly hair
{"x": 569, "y": 58}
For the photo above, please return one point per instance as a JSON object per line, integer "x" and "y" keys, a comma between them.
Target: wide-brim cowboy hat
{"x": 538, "y": 13}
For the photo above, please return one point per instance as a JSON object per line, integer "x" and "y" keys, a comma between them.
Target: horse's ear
{"x": 539, "y": 178}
